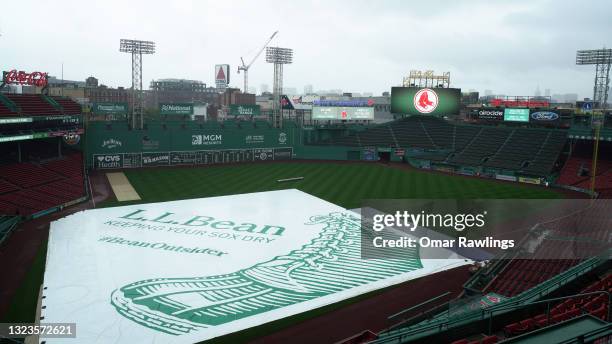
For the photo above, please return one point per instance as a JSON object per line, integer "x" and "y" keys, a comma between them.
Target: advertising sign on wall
{"x": 109, "y": 108}
{"x": 544, "y": 116}
{"x": 530, "y": 180}
{"x": 425, "y": 101}
{"x": 282, "y": 153}
{"x": 516, "y": 115}
{"x": 490, "y": 115}
{"x": 244, "y": 110}
{"x": 176, "y": 109}
{"x": 37, "y": 79}
{"x": 105, "y": 161}
{"x": 369, "y": 154}
{"x": 155, "y": 159}
{"x": 222, "y": 76}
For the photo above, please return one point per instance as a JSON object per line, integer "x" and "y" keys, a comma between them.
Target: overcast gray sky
{"x": 510, "y": 47}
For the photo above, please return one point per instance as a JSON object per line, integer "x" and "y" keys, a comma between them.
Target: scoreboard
{"x": 341, "y": 113}
{"x": 207, "y": 157}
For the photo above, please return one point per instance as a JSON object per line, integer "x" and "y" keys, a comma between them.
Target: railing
{"x": 544, "y": 288}
{"x": 10, "y": 224}
{"x": 547, "y": 302}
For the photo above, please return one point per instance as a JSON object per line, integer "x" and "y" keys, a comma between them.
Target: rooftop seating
{"x": 69, "y": 106}
{"x": 33, "y": 104}
{"x": 5, "y": 111}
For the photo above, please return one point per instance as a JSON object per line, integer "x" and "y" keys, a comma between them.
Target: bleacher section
{"x": 530, "y": 151}
{"x": 570, "y": 175}
{"x": 33, "y": 104}
{"x": 523, "y": 274}
{"x": 484, "y": 145}
{"x": 37, "y": 105}
{"x": 4, "y": 109}
{"x": 27, "y": 188}
{"x": 69, "y": 107}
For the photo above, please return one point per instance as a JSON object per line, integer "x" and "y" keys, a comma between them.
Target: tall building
{"x": 89, "y": 91}
{"x": 179, "y": 91}
{"x": 233, "y": 96}
{"x": 104, "y": 94}
{"x": 91, "y": 82}
{"x": 308, "y": 89}
{"x": 547, "y": 92}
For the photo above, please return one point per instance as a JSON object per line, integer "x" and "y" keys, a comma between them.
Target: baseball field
{"x": 342, "y": 183}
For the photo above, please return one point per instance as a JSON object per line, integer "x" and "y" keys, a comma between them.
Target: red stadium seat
{"x": 489, "y": 340}
{"x": 461, "y": 341}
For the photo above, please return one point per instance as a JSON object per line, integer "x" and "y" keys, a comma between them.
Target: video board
{"x": 342, "y": 113}
{"x": 425, "y": 101}
{"x": 516, "y": 115}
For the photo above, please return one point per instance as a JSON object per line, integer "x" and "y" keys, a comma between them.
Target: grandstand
{"x": 27, "y": 188}
{"x": 529, "y": 151}
{"x": 38, "y": 174}
{"x": 576, "y": 171}
{"x": 557, "y": 277}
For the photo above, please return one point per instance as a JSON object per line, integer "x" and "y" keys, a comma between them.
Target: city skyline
{"x": 507, "y": 49}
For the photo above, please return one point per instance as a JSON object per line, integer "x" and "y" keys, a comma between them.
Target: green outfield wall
{"x": 113, "y": 145}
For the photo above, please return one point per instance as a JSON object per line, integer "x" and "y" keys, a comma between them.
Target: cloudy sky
{"x": 510, "y": 47}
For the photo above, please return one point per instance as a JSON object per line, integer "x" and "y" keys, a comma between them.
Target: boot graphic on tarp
{"x": 328, "y": 264}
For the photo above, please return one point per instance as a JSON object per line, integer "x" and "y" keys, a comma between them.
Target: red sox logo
{"x": 425, "y": 100}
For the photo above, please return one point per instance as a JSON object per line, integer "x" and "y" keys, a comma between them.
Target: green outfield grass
{"x": 339, "y": 183}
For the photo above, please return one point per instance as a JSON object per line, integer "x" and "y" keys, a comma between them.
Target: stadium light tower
{"x": 279, "y": 57}
{"x": 137, "y": 48}
{"x": 602, "y": 59}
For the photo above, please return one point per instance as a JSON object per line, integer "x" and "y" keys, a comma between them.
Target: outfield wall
{"x": 186, "y": 143}
{"x": 111, "y": 145}
{"x": 479, "y": 171}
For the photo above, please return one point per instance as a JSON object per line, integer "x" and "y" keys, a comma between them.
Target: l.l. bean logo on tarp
{"x": 182, "y": 305}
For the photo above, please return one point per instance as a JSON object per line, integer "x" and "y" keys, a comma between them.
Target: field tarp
{"x": 191, "y": 270}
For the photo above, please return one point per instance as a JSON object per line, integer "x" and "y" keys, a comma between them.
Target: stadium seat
{"x": 33, "y": 104}
{"x": 26, "y": 188}
{"x": 513, "y": 329}
{"x": 461, "y": 341}
{"x": 489, "y": 340}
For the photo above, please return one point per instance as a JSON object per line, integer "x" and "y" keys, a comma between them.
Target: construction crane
{"x": 245, "y": 67}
